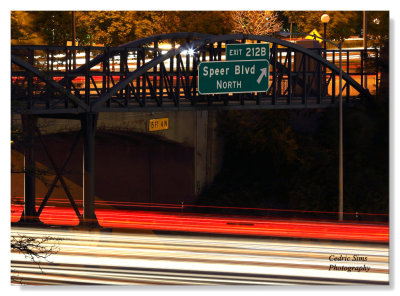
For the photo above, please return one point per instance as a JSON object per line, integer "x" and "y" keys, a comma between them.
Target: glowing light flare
{"x": 189, "y": 52}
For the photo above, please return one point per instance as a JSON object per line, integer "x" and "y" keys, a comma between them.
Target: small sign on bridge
{"x": 158, "y": 124}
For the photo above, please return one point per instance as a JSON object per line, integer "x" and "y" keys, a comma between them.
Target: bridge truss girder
{"x": 139, "y": 76}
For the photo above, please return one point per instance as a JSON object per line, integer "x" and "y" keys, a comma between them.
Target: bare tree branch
{"x": 256, "y": 22}
{"x": 34, "y": 249}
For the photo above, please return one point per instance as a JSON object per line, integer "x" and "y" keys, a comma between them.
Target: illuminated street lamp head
{"x": 325, "y": 18}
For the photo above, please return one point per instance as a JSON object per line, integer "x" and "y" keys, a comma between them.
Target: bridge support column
{"x": 29, "y": 214}
{"x": 208, "y": 150}
{"x": 89, "y": 219}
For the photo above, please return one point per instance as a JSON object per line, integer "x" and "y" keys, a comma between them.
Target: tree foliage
{"x": 22, "y": 29}
{"x": 51, "y": 26}
{"x": 342, "y": 24}
{"x": 378, "y": 27}
{"x": 112, "y": 28}
{"x": 159, "y": 22}
{"x": 260, "y": 147}
{"x": 289, "y": 160}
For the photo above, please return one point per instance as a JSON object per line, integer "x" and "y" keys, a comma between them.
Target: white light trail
{"x": 149, "y": 258}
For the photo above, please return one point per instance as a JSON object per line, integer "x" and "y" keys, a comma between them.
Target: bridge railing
{"x": 172, "y": 81}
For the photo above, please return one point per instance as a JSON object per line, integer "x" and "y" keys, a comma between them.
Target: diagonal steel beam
{"x": 58, "y": 175}
{"x": 52, "y": 186}
{"x": 132, "y": 75}
{"x": 48, "y": 80}
{"x": 136, "y": 43}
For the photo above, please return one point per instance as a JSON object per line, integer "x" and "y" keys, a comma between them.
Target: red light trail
{"x": 217, "y": 224}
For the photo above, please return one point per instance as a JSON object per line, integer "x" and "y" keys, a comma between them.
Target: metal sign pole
{"x": 340, "y": 136}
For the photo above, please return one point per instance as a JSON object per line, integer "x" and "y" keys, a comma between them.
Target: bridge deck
{"x": 49, "y": 79}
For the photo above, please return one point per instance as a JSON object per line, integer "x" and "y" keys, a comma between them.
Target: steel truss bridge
{"x": 142, "y": 75}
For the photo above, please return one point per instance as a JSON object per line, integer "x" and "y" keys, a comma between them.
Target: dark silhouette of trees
{"x": 289, "y": 160}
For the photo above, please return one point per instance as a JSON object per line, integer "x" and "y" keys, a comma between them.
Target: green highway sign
{"x": 243, "y": 51}
{"x": 233, "y": 77}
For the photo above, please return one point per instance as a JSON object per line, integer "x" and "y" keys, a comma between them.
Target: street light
{"x": 339, "y": 46}
{"x": 325, "y": 20}
{"x": 340, "y": 136}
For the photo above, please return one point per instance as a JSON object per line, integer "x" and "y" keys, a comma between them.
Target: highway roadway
{"x": 141, "y": 257}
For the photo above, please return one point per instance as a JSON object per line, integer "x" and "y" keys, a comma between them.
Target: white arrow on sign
{"x": 263, "y": 73}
